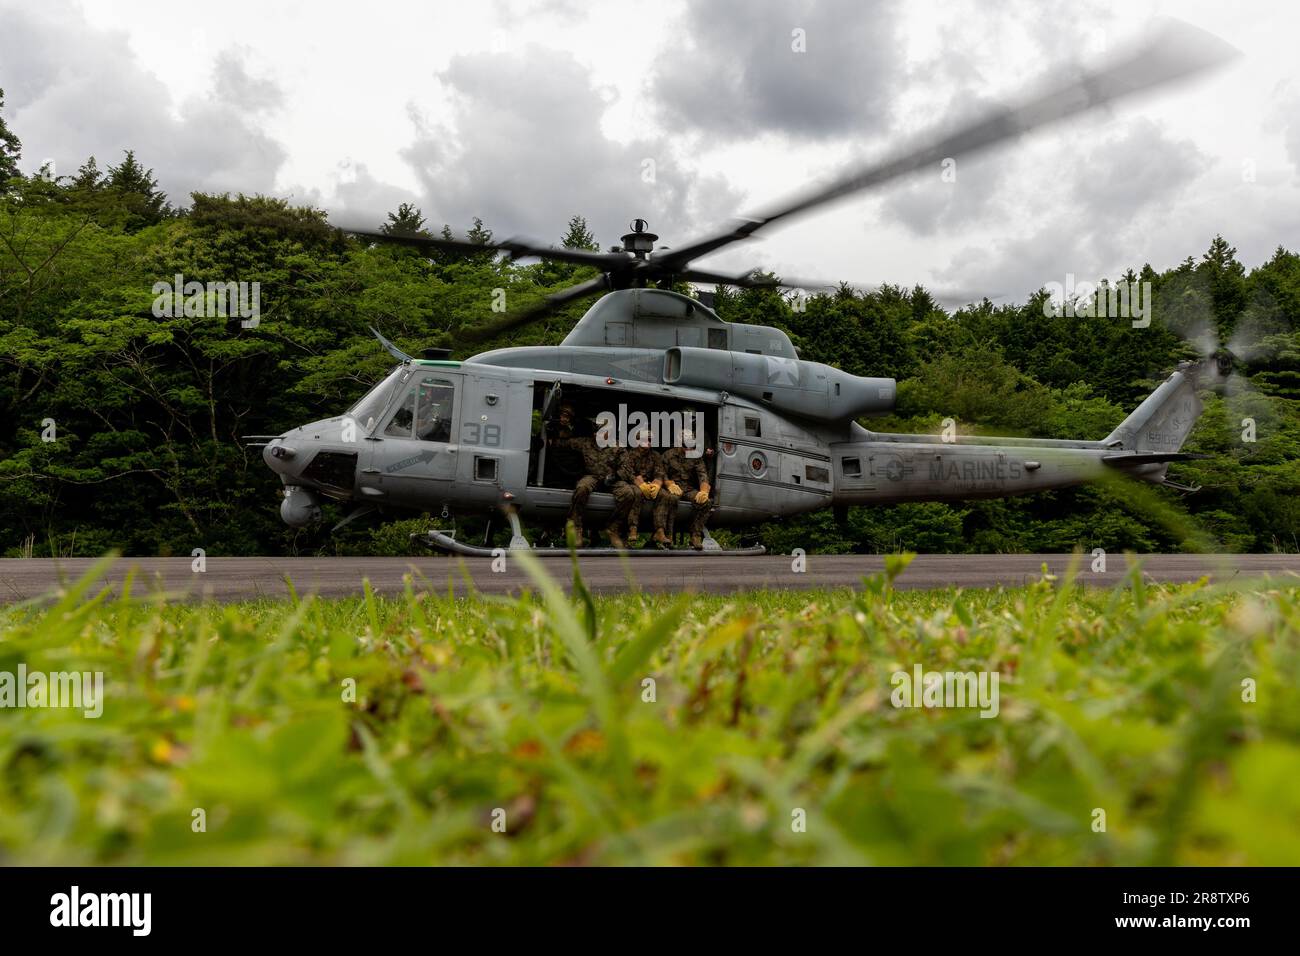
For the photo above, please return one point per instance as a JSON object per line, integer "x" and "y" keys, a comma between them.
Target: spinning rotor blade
{"x": 1257, "y": 341}
{"x": 1238, "y": 384}
{"x": 1201, "y": 336}
{"x": 744, "y": 282}
{"x": 517, "y": 248}
{"x": 512, "y": 320}
{"x": 1179, "y": 51}
{"x": 751, "y": 280}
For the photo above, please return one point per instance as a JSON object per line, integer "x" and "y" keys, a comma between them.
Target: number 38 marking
{"x": 476, "y": 434}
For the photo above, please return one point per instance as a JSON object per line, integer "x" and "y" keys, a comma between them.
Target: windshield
{"x": 371, "y": 407}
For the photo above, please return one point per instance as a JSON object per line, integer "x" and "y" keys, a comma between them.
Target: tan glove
{"x": 703, "y": 495}
{"x": 674, "y": 488}
{"x": 650, "y": 490}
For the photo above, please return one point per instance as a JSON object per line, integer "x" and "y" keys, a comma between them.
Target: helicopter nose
{"x": 281, "y": 458}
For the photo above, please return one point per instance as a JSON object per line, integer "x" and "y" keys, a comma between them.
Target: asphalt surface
{"x": 230, "y": 579}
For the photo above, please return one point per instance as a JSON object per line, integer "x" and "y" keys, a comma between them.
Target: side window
{"x": 435, "y": 403}
{"x": 717, "y": 338}
{"x": 425, "y": 411}
{"x": 852, "y": 467}
{"x": 752, "y": 427}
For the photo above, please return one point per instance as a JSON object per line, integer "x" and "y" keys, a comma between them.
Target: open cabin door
{"x": 550, "y": 408}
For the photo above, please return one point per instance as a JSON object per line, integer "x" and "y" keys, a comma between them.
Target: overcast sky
{"x": 526, "y": 113}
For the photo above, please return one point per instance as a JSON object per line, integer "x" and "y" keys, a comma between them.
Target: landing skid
{"x": 441, "y": 541}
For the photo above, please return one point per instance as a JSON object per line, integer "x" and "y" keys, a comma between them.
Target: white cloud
{"x": 527, "y": 113}
{"x": 75, "y": 90}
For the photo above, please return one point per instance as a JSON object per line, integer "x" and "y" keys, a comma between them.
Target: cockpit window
{"x": 425, "y": 411}
{"x": 435, "y": 401}
{"x": 371, "y": 407}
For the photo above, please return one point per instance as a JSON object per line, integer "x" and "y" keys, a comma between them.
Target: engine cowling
{"x": 794, "y": 386}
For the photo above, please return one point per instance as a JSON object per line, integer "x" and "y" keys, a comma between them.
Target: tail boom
{"x": 881, "y": 468}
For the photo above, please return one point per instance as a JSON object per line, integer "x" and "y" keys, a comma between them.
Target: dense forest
{"x": 121, "y": 428}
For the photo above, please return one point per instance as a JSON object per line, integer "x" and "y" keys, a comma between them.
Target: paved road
{"x": 229, "y": 579}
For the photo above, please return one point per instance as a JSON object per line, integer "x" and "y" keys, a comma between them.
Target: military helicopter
{"x": 469, "y": 437}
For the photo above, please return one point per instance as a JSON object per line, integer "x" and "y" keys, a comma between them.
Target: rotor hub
{"x": 640, "y": 241}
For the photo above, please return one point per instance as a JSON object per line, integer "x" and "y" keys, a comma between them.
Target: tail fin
{"x": 1158, "y": 427}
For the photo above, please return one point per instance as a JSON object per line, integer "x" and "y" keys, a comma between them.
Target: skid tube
{"x": 441, "y": 541}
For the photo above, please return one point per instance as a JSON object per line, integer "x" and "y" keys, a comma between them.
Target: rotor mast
{"x": 640, "y": 242}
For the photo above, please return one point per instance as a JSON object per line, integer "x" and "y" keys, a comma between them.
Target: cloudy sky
{"x": 525, "y": 113}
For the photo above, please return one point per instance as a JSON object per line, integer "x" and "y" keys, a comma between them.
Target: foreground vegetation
{"x": 230, "y": 735}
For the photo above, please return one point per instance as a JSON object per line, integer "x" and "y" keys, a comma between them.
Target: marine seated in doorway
{"x": 595, "y": 467}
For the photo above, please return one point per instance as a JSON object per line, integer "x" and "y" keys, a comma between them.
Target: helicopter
{"x": 463, "y": 437}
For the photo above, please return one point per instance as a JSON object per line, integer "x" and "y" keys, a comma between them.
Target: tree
{"x": 922, "y": 303}
{"x": 145, "y": 203}
{"x": 579, "y": 236}
{"x": 407, "y": 220}
{"x": 1227, "y": 283}
{"x": 478, "y": 234}
{"x": 88, "y": 175}
{"x": 10, "y": 149}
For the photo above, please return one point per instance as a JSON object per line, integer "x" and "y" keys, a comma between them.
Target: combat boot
{"x": 662, "y": 541}
{"x": 697, "y": 541}
{"x": 632, "y": 535}
{"x": 615, "y": 540}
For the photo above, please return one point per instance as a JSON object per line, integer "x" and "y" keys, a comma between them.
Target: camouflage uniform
{"x": 692, "y": 476}
{"x": 645, "y": 463}
{"x": 599, "y": 467}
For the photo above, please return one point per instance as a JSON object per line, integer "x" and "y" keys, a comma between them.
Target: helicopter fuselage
{"x": 467, "y": 438}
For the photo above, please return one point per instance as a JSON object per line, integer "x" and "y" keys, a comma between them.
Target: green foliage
{"x": 389, "y": 730}
{"x": 10, "y": 149}
{"x": 148, "y": 410}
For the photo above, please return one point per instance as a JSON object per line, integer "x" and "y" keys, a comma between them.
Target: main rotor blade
{"x": 1179, "y": 51}
{"x": 957, "y": 297}
{"x": 517, "y": 248}
{"x": 753, "y": 281}
{"x": 748, "y": 281}
{"x": 513, "y": 320}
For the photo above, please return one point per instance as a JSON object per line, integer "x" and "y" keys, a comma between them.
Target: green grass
{"x": 1127, "y": 700}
